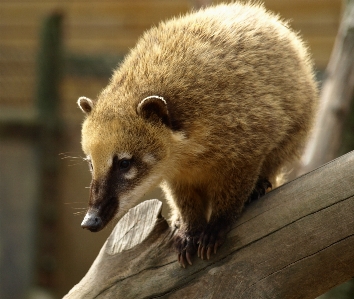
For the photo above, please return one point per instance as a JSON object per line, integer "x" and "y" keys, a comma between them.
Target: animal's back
{"x": 236, "y": 90}
{"x": 236, "y": 78}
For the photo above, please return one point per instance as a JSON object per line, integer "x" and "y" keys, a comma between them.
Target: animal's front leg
{"x": 227, "y": 203}
{"x": 186, "y": 243}
{"x": 214, "y": 235}
{"x": 190, "y": 223}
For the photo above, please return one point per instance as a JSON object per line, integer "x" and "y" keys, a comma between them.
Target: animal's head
{"x": 127, "y": 155}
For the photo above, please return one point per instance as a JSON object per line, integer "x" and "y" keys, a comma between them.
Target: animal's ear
{"x": 85, "y": 104}
{"x": 154, "y": 108}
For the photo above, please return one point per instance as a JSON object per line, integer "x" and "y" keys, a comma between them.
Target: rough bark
{"x": 295, "y": 242}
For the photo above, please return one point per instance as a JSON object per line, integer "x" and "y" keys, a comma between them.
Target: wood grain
{"x": 134, "y": 227}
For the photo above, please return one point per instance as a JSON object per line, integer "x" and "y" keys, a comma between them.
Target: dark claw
{"x": 182, "y": 259}
{"x": 199, "y": 250}
{"x": 189, "y": 258}
{"x": 204, "y": 244}
{"x": 202, "y": 253}
{"x": 186, "y": 248}
{"x": 216, "y": 247}
{"x": 211, "y": 239}
{"x": 209, "y": 252}
{"x": 182, "y": 263}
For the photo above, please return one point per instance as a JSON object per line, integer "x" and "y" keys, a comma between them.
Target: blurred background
{"x": 52, "y": 52}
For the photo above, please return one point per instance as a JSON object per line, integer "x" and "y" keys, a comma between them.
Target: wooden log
{"x": 295, "y": 242}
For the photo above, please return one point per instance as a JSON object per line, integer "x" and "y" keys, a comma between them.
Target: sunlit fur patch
{"x": 88, "y": 160}
{"x": 149, "y": 159}
{"x": 179, "y": 136}
{"x": 132, "y": 173}
{"x": 174, "y": 214}
{"x": 208, "y": 211}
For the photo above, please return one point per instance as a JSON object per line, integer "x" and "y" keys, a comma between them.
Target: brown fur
{"x": 238, "y": 97}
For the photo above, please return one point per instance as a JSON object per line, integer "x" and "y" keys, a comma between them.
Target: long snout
{"x": 92, "y": 221}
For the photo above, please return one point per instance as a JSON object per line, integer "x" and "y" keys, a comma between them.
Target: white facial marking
{"x": 149, "y": 159}
{"x": 131, "y": 174}
{"x": 130, "y": 198}
{"x": 124, "y": 156}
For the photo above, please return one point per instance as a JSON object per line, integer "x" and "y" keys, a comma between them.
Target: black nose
{"x": 92, "y": 221}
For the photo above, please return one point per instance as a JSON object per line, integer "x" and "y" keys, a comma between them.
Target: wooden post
{"x": 295, "y": 242}
{"x": 29, "y": 165}
{"x": 50, "y": 63}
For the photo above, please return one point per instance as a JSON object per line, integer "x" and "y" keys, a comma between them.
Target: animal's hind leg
{"x": 278, "y": 160}
{"x": 262, "y": 186}
{"x": 214, "y": 234}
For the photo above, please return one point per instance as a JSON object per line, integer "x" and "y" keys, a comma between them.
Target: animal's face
{"x": 126, "y": 157}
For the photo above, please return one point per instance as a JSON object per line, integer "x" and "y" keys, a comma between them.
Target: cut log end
{"x": 134, "y": 227}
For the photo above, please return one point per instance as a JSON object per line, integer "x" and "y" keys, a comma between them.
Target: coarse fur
{"x": 210, "y": 106}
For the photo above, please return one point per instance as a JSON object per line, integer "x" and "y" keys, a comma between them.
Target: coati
{"x": 210, "y": 106}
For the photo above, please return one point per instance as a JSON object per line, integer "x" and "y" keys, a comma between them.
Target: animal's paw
{"x": 211, "y": 239}
{"x": 186, "y": 246}
{"x": 260, "y": 189}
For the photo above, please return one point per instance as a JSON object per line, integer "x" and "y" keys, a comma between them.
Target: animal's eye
{"x": 124, "y": 164}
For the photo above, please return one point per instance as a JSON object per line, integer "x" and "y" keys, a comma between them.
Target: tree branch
{"x": 336, "y": 97}
{"x": 295, "y": 242}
